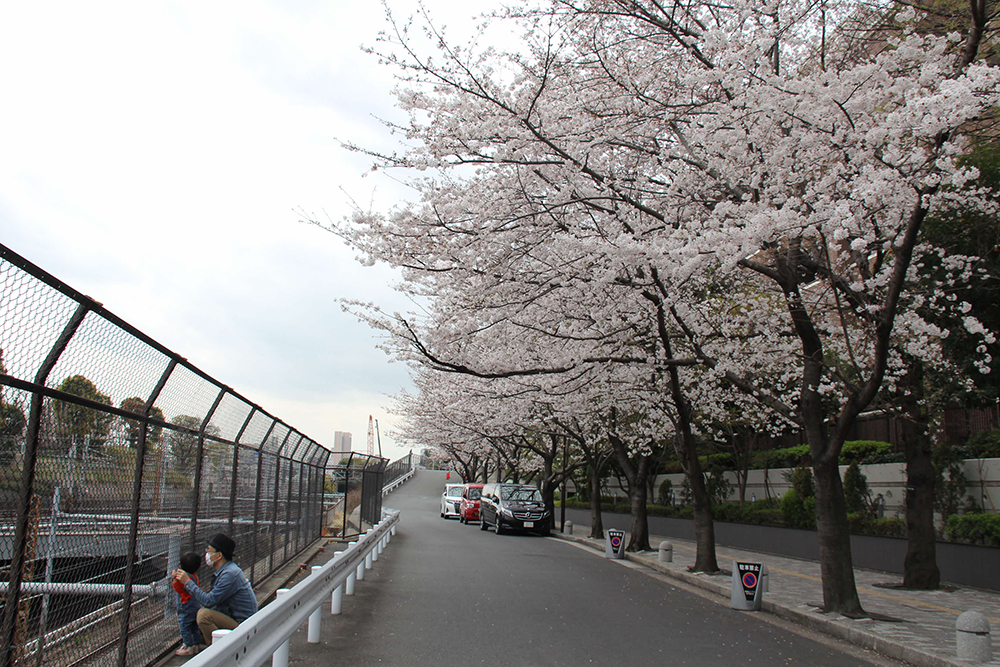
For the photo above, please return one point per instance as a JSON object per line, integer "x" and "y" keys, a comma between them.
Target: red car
{"x": 468, "y": 509}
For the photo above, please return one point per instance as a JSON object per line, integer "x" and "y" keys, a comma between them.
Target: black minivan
{"x": 507, "y": 506}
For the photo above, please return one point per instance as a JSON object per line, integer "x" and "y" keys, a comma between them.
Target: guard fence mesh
{"x": 117, "y": 456}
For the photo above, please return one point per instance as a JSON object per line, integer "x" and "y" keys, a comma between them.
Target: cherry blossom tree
{"x": 694, "y": 195}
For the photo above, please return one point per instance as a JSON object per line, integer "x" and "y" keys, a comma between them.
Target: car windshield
{"x": 455, "y": 492}
{"x": 520, "y": 493}
{"x": 474, "y": 494}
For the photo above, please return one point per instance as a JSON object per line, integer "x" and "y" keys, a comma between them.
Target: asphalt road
{"x": 446, "y": 594}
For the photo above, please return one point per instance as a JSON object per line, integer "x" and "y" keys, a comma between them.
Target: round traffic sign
{"x": 616, "y": 541}
{"x": 749, "y": 579}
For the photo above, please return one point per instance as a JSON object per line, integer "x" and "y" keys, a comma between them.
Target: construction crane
{"x": 373, "y": 437}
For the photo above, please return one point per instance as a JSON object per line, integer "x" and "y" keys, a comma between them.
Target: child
{"x": 187, "y": 612}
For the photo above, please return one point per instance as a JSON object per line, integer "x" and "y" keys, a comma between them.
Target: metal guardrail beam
{"x": 259, "y": 637}
{"x": 399, "y": 480}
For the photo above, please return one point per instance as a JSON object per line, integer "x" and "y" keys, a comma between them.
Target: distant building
{"x": 341, "y": 442}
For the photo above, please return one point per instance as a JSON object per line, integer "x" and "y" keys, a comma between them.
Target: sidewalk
{"x": 922, "y": 629}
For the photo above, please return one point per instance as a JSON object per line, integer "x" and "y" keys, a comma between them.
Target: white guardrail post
{"x": 267, "y": 634}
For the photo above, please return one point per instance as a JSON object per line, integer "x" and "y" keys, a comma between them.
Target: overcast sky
{"x": 155, "y": 155}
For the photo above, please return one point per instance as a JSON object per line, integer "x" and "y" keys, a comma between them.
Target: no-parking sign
{"x": 750, "y": 578}
{"x": 616, "y": 543}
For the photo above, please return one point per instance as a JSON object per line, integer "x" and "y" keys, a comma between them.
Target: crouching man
{"x": 231, "y": 599}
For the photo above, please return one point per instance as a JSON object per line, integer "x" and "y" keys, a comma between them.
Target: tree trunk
{"x": 704, "y": 525}
{"x": 920, "y": 569}
{"x": 840, "y": 593}
{"x": 596, "y": 521}
{"x": 639, "y": 539}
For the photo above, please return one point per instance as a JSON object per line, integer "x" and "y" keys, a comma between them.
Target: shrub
{"x": 983, "y": 445}
{"x": 718, "y": 487}
{"x": 663, "y": 494}
{"x": 797, "y": 513}
{"x": 974, "y": 528}
{"x": 856, "y": 493}
{"x": 861, "y": 451}
{"x": 801, "y": 479}
{"x": 789, "y": 457}
{"x": 718, "y": 462}
{"x": 863, "y": 523}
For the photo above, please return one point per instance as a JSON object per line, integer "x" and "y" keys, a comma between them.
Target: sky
{"x": 159, "y": 156}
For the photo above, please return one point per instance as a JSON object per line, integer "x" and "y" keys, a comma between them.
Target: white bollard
{"x": 568, "y": 527}
{"x": 361, "y": 571}
{"x": 666, "y": 552}
{"x": 219, "y": 634}
{"x": 972, "y": 637}
{"x": 315, "y": 619}
{"x": 349, "y": 584}
{"x": 280, "y": 657}
{"x": 337, "y": 596}
{"x": 393, "y": 529}
{"x": 368, "y": 560}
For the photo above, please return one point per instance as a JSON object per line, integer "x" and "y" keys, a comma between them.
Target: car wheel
{"x": 482, "y": 524}
{"x": 461, "y": 518}
{"x": 499, "y": 527}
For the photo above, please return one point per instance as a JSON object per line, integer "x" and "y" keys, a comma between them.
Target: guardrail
{"x": 267, "y": 634}
{"x": 399, "y": 480}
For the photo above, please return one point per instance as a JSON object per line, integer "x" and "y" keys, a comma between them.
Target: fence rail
{"x": 117, "y": 455}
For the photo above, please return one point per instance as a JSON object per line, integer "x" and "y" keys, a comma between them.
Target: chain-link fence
{"x": 353, "y": 500}
{"x": 117, "y": 456}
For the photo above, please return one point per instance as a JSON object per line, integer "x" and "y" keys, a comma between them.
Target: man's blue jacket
{"x": 231, "y": 593}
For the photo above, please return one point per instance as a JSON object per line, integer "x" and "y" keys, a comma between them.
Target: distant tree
{"x": 84, "y": 427}
{"x": 183, "y": 444}
{"x": 12, "y": 423}
{"x": 133, "y": 427}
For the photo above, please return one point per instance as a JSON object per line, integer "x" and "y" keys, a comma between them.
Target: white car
{"x": 451, "y": 500}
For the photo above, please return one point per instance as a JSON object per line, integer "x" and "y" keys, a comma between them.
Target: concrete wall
{"x": 889, "y": 479}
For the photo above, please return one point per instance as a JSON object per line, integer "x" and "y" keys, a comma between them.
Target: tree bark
{"x": 704, "y": 524}
{"x": 596, "y": 520}
{"x": 920, "y": 569}
{"x": 840, "y": 592}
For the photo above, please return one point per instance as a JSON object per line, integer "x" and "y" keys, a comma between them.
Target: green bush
{"x": 799, "y": 512}
{"x": 856, "y": 493}
{"x": 863, "y": 523}
{"x": 983, "y": 445}
{"x": 663, "y": 494}
{"x": 801, "y": 479}
{"x": 717, "y": 462}
{"x": 860, "y": 451}
{"x": 974, "y": 528}
{"x": 789, "y": 457}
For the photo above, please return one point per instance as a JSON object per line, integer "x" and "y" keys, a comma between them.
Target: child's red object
{"x": 185, "y": 596}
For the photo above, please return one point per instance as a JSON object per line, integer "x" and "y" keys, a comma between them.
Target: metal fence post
{"x": 256, "y": 501}
{"x": 236, "y": 466}
{"x": 274, "y": 507}
{"x": 133, "y": 533}
{"x": 199, "y": 465}
{"x": 26, "y": 488}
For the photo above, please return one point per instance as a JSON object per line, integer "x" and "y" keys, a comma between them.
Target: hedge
{"x": 975, "y": 528}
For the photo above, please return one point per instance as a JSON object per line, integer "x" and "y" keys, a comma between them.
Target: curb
{"x": 813, "y": 621}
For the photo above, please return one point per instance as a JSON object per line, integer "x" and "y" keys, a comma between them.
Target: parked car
{"x": 469, "y": 507}
{"x": 451, "y": 500}
{"x": 506, "y": 506}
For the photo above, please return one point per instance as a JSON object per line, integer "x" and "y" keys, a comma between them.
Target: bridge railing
{"x": 117, "y": 456}
{"x": 265, "y": 636}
